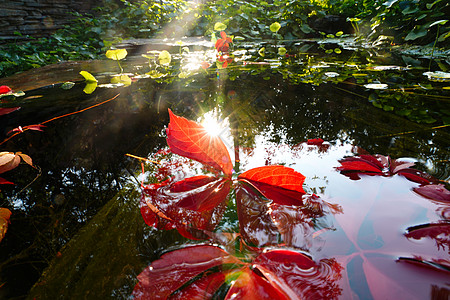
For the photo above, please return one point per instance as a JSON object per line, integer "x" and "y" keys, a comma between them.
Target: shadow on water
{"x": 76, "y": 230}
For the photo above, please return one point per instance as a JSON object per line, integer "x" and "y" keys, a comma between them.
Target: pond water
{"x": 76, "y": 228}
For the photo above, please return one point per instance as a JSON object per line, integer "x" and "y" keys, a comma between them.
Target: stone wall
{"x": 37, "y": 17}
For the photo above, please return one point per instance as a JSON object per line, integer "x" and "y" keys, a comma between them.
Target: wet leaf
{"x": 169, "y": 273}
{"x": 4, "y": 181}
{"x": 203, "y": 288}
{"x": 436, "y": 192}
{"x": 439, "y": 232}
{"x": 5, "y": 214}
{"x": 280, "y": 184}
{"x": 190, "y": 139}
{"x": 121, "y": 79}
{"x": 117, "y": 54}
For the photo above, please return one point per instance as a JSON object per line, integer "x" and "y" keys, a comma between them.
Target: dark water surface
{"x": 76, "y": 229}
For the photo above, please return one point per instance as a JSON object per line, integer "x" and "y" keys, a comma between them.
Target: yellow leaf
{"x": 90, "y": 87}
{"x": 5, "y": 214}
{"x": 164, "y": 57}
{"x": 88, "y": 76}
{"x": 124, "y": 79}
{"x": 117, "y": 54}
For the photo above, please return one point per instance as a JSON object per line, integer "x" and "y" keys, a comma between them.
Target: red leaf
{"x": 281, "y": 184}
{"x": 190, "y": 139}
{"x": 436, "y": 192}
{"x": 417, "y": 176}
{"x": 316, "y": 142}
{"x": 299, "y": 276}
{"x": 4, "y": 181}
{"x": 206, "y": 197}
{"x": 163, "y": 209}
{"x": 191, "y": 183}
{"x": 37, "y": 127}
{"x": 250, "y": 286}
{"x": 5, "y": 89}
{"x": 358, "y": 165}
{"x": 203, "y": 288}
{"x": 167, "y": 274}
{"x": 440, "y": 232}
{"x": 8, "y": 110}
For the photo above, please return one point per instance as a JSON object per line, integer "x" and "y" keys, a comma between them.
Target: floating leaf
{"x": 281, "y": 184}
{"x": 223, "y": 44}
{"x": 164, "y": 58}
{"x": 436, "y": 192}
{"x": 376, "y": 86}
{"x": 117, "y": 54}
{"x": 67, "y": 85}
{"x": 5, "y": 214}
{"x": 190, "y": 139}
{"x": 274, "y": 27}
{"x": 262, "y": 51}
{"x": 88, "y": 77}
{"x": 282, "y": 51}
{"x": 438, "y": 76}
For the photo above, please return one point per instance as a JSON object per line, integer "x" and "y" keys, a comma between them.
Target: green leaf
{"x": 282, "y": 51}
{"x": 444, "y": 36}
{"x": 117, "y": 54}
{"x": 164, "y": 57}
{"x": 337, "y": 51}
{"x": 90, "y": 87}
{"x": 274, "y": 27}
{"x": 220, "y": 26}
{"x": 440, "y": 22}
{"x": 339, "y": 33}
{"x": 416, "y": 33}
{"x": 67, "y": 85}
{"x": 88, "y": 76}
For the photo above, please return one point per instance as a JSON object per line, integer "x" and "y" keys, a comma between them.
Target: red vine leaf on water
{"x": 190, "y": 139}
{"x": 275, "y": 274}
{"x": 10, "y": 160}
{"x": 8, "y": 110}
{"x": 381, "y": 165}
{"x": 5, "y": 214}
{"x": 436, "y": 192}
{"x": 280, "y": 184}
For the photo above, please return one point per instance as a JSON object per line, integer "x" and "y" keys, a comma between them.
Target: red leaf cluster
{"x": 275, "y": 274}
{"x": 223, "y": 44}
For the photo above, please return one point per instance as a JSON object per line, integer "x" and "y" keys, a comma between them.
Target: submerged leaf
{"x": 190, "y": 139}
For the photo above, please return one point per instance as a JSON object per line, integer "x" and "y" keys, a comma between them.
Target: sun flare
{"x": 212, "y": 125}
